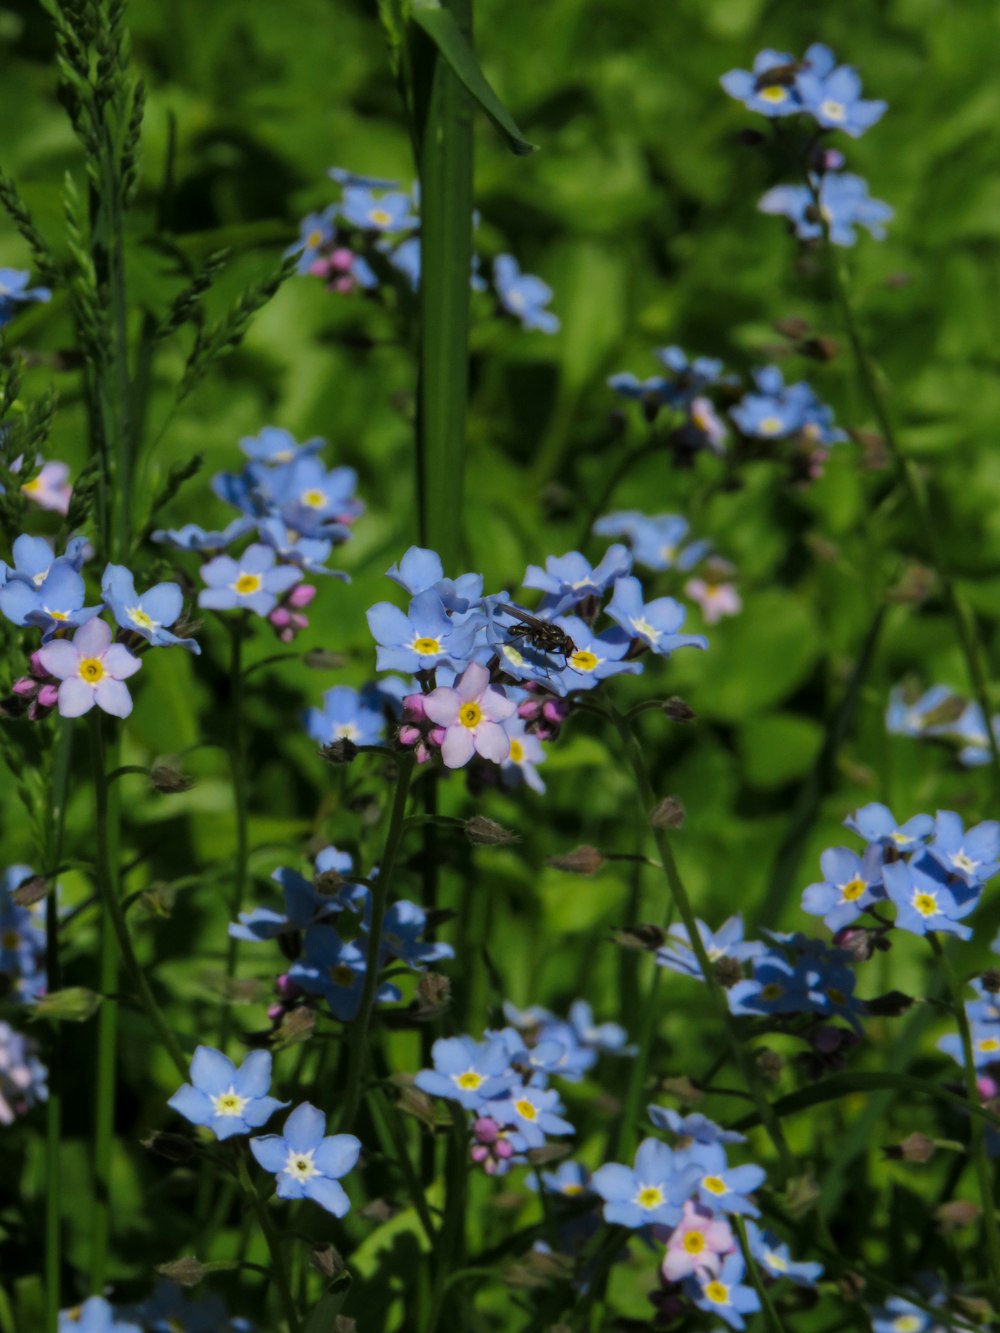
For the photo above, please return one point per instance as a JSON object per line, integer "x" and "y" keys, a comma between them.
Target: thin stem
{"x": 771, "y": 1317}
{"x": 358, "y": 1057}
{"x": 237, "y": 762}
{"x": 450, "y": 1248}
{"x": 278, "y": 1270}
{"x": 977, "y": 1127}
{"x": 675, "y": 884}
{"x": 916, "y": 493}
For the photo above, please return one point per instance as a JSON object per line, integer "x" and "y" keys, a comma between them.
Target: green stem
{"x": 675, "y": 885}
{"x": 913, "y": 485}
{"x": 278, "y": 1270}
{"x": 444, "y": 138}
{"x": 238, "y": 768}
{"x": 977, "y": 1127}
{"x": 771, "y": 1317}
{"x": 358, "y": 1057}
{"x": 450, "y": 1248}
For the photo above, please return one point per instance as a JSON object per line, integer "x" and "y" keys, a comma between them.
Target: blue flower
{"x": 570, "y": 1180}
{"x": 274, "y": 445}
{"x": 723, "y": 1188}
{"x": 691, "y": 377}
{"x": 609, "y": 1037}
{"x": 775, "y": 988}
{"x": 773, "y": 1256}
{"x": 250, "y": 583}
{"x": 307, "y": 1162}
{"x": 168, "y": 1311}
{"x": 420, "y": 570}
{"x": 833, "y": 95}
{"x": 305, "y": 903}
{"x": 309, "y": 554}
{"x": 344, "y": 177}
{"x": 402, "y": 928}
{"x": 523, "y": 295}
{"x": 385, "y": 212}
{"x": 526, "y": 752}
{"x": 651, "y": 1192}
{"x": 467, "y": 1072}
{"x": 316, "y": 230}
{"x": 348, "y": 714}
{"x": 775, "y": 410}
{"x": 653, "y": 623}
{"x": 533, "y": 1112}
{"x": 223, "y": 1098}
{"x": 696, "y": 1126}
{"x": 596, "y": 656}
{"x": 844, "y": 204}
{"x": 657, "y": 542}
{"x": 985, "y": 1045}
{"x": 336, "y": 970}
{"x": 311, "y": 499}
{"x": 934, "y": 713}
{"x": 851, "y": 885}
{"x": 723, "y": 1293}
{"x": 770, "y": 89}
{"x": 877, "y": 823}
{"x": 972, "y": 856}
{"x": 146, "y": 615}
{"x": 23, "y": 1077}
{"x": 421, "y": 638}
{"x": 901, "y": 1316}
{"x": 924, "y": 903}
{"x": 193, "y": 538}
{"x": 22, "y": 939}
{"x": 406, "y": 258}
{"x": 52, "y": 601}
{"x": 570, "y": 579}
{"x": 653, "y": 393}
{"x": 14, "y": 293}
{"x": 34, "y": 559}
{"x": 727, "y": 942}
{"x": 94, "y": 1316}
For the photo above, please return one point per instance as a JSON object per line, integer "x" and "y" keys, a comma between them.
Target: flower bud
{"x": 583, "y": 860}
{"x": 678, "y": 711}
{"x": 483, "y": 832}
{"x": 25, "y": 686}
{"x": 186, "y": 1272}
{"x": 436, "y": 736}
{"x": 668, "y": 814}
{"x": 413, "y": 707}
{"x": 301, "y": 595}
{"x": 280, "y": 618}
{"x": 47, "y": 696}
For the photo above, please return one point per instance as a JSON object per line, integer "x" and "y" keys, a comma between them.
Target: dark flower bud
{"x": 955, "y": 1214}
{"x": 914, "y": 1148}
{"x": 174, "y": 1147}
{"x": 30, "y": 891}
{"x": 538, "y": 1268}
{"x": 167, "y": 778}
{"x": 548, "y": 1153}
{"x": 642, "y": 936}
{"x": 875, "y": 454}
{"x": 728, "y": 971}
{"x": 668, "y": 814}
{"x": 433, "y": 994}
{"x": 584, "y": 860}
{"x": 851, "y": 1286}
{"x": 323, "y": 659}
{"x": 750, "y": 138}
{"x": 856, "y": 941}
{"x": 158, "y": 900}
{"x": 186, "y": 1272}
{"x": 686, "y": 1092}
{"x": 296, "y": 1027}
{"x": 326, "y": 1260}
{"x": 483, "y": 832}
{"x": 678, "y": 711}
{"x": 820, "y": 348}
{"x": 340, "y": 751}
{"x": 801, "y": 1195}
{"x": 329, "y": 883}
{"x": 890, "y": 1005}
{"x": 345, "y": 1324}
{"x": 915, "y": 586}
{"x": 412, "y": 1101}
{"x": 792, "y": 326}
{"x": 378, "y": 1210}
{"x": 991, "y": 981}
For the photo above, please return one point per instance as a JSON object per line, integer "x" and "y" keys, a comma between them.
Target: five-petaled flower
{"x": 91, "y": 670}
{"x": 224, "y": 1099}
{"x": 472, "y": 713}
{"x": 308, "y": 1163}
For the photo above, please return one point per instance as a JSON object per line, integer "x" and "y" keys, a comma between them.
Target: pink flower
{"x": 696, "y": 1242}
{"x": 715, "y": 599}
{"x": 50, "y": 489}
{"x": 471, "y": 714}
{"x": 92, "y": 670}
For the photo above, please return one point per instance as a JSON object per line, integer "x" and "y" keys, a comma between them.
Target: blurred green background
{"x": 640, "y": 211}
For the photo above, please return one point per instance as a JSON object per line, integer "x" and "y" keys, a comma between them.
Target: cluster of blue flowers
{"x": 696, "y": 392}
{"x": 939, "y": 714}
{"x": 46, "y": 592}
{"x": 503, "y": 1082}
{"x": 375, "y": 223}
{"x": 305, "y": 1161}
{"x": 167, "y": 1310}
{"x": 327, "y": 963}
{"x": 829, "y": 96}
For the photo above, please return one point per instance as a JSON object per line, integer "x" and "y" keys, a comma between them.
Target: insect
{"x": 541, "y": 634}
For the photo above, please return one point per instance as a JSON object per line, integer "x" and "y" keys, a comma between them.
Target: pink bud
{"x": 286, "y": 636}
{"x": 503, "y": 1148}
{"x": 342, "y": 258}
{"x": 436, "y": 736}
{"x": 279, "y": 617}
{"x": 479, "y": 1153}
{"x": 529, "y": 710}
{"x": 36, "y": 668}
{"x": 301, "y": 595}
{"x": 555, "y": 710}
{"x": 24, "y": 685}
{"x": 409, "y": 735}
{"x": 321, "y": 268}
{"x": 343, "y": 286}
{"x": 47, "y": 696}
{"x": 413, "y": 707}
{"x": 485, "y": 1129}
{"x": 987, "y": 1086}
{"x": 422, "y": 753}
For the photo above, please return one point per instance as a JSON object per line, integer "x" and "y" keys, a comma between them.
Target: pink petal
{"x": 75, "y": 697}
{"x": 59, "y": 658}
{"x": 496, "y": 706}
{"x": 442, "y": 705}
{"x": 458, "y": 747}
{"x": 473, "y": 680}
{"x": 93, "y": 638}
{"x": 492, "y": 742}
{"x": 120, "y": 663}
{"x": 113, "y": 696}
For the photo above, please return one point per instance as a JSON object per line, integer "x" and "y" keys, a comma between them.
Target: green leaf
{"x": 444, "y": 32}
{"x": 325, "y": 1313}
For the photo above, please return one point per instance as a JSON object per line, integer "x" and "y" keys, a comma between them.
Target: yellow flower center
{"x": 775, "y": 1261}
{"x": 300, "y": 1165}
{"x": 91, "y": 670}
{"x": 30, "y": 487}
{"x": 717, "y": 1293}
{"x": 963, "y": 862}
{"x": 771, "y": 426}
{"x": 900, "y": 839}
{"x": 426, "y": 647}
{"x": 470, "y": 715}
{"x": 773, "y": 93}
{"x": 469, "y": 1081}
{"x": 584, "y": 660}
{"x": 833, "y": 110}
{"x": 10, "y": 939}
{"x": 572, "y": 1189}
{"x": 525, "y": 1109}
{"x": 342, "y": 975}
{"x": 925, "y": 903}
{"x": 715, "y": 1185}
{"x": 988, "y": 1044}
{"x": 380, "y": 217}
{"x": 649, "y": 1196}
{"x": 314, "y": 238}
{"x": 772, "y": 991}
{"x": 229, "y": 1103}
{"x": 139, "y": 617}
{"x": 694, "y": 1242}
{"x": 645, "y": 630}
{"x": 347, "y": 731}
{"x": 247, "y": 584}
{"x": 314, "y": 499}
{"x": 907, "y": 1323}
{"x": 852, "y": 890}
{"x": 57, "y": 615}
{"x": 837, "y": 996}
{"x": 516, "y": 752}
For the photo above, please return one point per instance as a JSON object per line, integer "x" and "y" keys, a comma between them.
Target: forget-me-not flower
{"x": 224, "y": 1099}
{"x": 253, "y": 582}
{"x": 91, "y": 670}
{"x": 307, "y": 1162}
{"x": 523, "y": 295}
{"x": 148, "y": 615}
{"x": 651, "y": 1191}
{"x": 466, "y": 1071}
{"x": 654, "y": 623}
{"x": 844, "y": 204}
